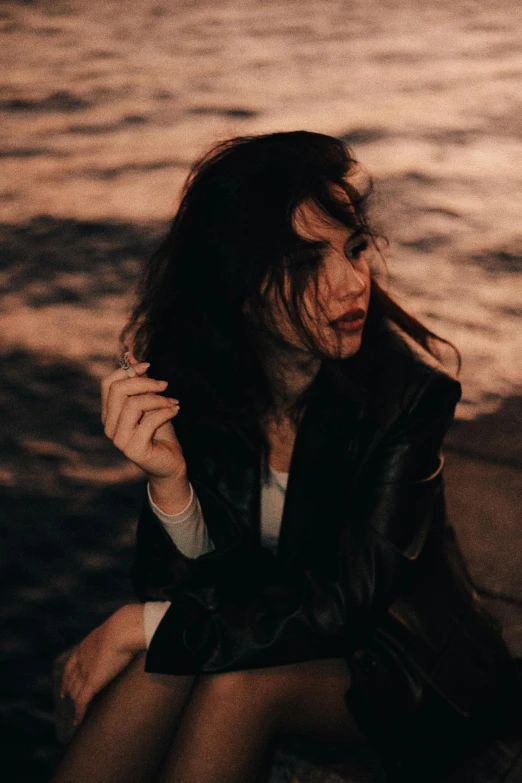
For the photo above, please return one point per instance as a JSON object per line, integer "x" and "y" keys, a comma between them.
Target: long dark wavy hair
{"x": 231, "y": 238}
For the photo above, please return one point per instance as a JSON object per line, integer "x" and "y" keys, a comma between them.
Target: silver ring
{"x": 124, "y": 364}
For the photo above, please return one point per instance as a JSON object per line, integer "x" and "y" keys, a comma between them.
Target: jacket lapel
{"x": 322, "y": 472}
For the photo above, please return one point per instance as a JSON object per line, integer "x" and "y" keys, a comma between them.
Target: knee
{"x": 236, "y": 685}
{"x": 251, "y": 692}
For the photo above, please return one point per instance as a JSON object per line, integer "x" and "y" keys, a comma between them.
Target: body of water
{"x": 104, "y": 105}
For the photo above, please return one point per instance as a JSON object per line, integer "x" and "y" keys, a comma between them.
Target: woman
{"x": 337, "y": 607}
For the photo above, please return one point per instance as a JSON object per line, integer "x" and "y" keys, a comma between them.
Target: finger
{"x": 69, "y": 666}
{"x": 118, "y": 393}
{"x": 118, "y": 375}
{"x": 69, "y": 672}
{"x": 65, "y": 686}
{"x": 132, "y": 359}
{"x": 81, "y": 704}
{"x": 131, "y": 362}
{"x": 76, "y": 686}
{"x": 165, "y": 432}
{"x": 141, "y": 442}
{"x": 133, "y": 410}
{"x": 72, "y": 684}
{"x": 84, "y": 696}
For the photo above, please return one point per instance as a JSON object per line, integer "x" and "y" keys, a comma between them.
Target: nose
{"x": 344, "y": 280}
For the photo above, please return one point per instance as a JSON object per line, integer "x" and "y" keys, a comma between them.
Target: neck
{"x": 290, "y": 372}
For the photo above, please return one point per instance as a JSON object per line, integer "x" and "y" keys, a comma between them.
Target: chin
{"x": 347, "y": 346}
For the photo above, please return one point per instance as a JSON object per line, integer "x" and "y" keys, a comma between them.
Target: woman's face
{"x": 335, "y": 303}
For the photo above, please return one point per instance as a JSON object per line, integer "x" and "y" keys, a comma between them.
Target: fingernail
{"x": 173, "y": 401}
{"x": 144, "y": 364}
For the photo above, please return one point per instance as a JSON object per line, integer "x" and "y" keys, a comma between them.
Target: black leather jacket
{"x": 367, "y": 567}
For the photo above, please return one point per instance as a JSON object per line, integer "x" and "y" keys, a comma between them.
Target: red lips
{"x": 350, "y": 315}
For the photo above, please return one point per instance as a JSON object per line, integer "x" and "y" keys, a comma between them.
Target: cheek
{"x": 368, "y": 279}
{"x": 364, "y": 274}
{"x": 312, "y": 303}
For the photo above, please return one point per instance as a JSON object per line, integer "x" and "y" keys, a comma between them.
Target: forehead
{"x": 311, "y": 222}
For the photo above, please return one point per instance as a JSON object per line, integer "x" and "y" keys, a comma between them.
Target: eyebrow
{"x": 323, "y": 243}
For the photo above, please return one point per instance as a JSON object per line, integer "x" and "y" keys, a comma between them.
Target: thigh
{"x": 309, "y": 701}
{"x": 230, "y": 720}
{"x": 127, "y": 729}
{"x": 298, "y": 698}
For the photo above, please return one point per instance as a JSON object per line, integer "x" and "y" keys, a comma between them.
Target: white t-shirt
{"x": 189, "y": 532}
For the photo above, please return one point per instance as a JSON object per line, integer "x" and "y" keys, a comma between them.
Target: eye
{"x": 311, "y": 259}
{"x": 357, "y": 250}
{"x": 307, "y": 259}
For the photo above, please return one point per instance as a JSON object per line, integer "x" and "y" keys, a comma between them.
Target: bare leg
{"x": 127, "y": 729}
{"x": 228, "y": 725}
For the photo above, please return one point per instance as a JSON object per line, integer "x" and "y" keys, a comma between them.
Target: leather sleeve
{"x": 235, "y": 608}
{"x": 396, "y": 500}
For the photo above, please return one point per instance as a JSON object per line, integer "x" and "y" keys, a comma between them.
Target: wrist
{"x": 130, "y": 628}
{"x": 172, "y": 494}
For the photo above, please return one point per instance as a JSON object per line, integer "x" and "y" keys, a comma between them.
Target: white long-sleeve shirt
{"x": 189, "y": 532}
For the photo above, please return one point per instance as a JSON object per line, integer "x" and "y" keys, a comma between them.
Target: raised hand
{"x": 137, "y": 420}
